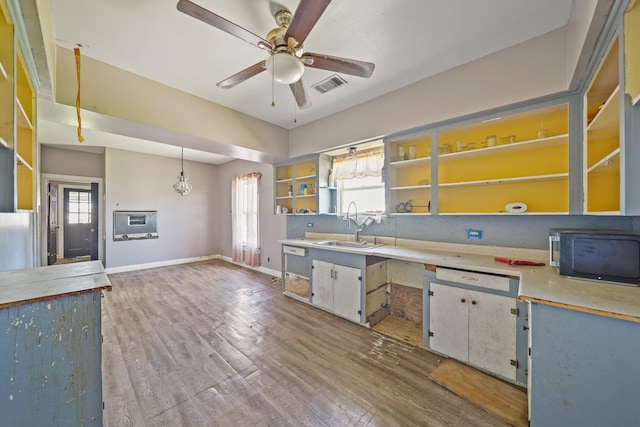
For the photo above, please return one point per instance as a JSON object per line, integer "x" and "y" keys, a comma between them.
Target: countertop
{"x": 537, "y": 284}
{"x": 43, "y": 283}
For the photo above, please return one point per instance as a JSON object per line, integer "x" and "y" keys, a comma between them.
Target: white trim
{"x": 259, "y": 269}
{"x": 45, "y": 178}
{"x": 135, "y": 267}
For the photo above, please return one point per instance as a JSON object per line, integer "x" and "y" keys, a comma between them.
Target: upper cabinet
{"x": 505, "y": 164}
{"x": 409, "y": 176}
{"x": 17, "y": 129}
{"x": 486, "y": 167}
{"x": 302, "y": 186}
{"x": 602, "y": 137}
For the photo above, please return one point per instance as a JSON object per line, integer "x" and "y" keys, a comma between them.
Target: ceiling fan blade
{"x": 243, "y": 75}
{"x": 219, "y": 22}
{"x": 300, "y": 94}
{"x": 340, "y": 65}
{"x": 307, "y": 14}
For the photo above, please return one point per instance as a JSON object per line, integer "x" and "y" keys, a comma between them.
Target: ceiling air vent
{"x": 329, "y": 84}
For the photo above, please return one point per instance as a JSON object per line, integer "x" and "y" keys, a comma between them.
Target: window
{"x": 245, "y": 219}
{"x": 359, "y": 180}
{"x": 79, "y": 204}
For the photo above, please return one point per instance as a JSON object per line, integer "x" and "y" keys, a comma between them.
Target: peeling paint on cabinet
{"x": 51, "y": 346}
{"x": 50, "y": 357}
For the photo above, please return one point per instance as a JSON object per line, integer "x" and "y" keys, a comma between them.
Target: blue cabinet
{"x": 51, "y": 345}
{"x": 584, "y": 369}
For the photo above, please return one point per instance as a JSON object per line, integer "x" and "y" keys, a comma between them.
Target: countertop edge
{"x": 43, "y": 283}
{"x": 541, "y": 285}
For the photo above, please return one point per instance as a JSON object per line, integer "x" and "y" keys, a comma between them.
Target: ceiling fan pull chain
{"x": 295, "y": 105}
{"x": 273, "y": 88}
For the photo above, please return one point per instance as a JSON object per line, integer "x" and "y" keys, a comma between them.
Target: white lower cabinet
{"x": 477, "y": 328}
{"x": 337, "y": 288}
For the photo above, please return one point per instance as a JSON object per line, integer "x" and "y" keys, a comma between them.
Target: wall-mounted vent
{"x": 329, "y": 84}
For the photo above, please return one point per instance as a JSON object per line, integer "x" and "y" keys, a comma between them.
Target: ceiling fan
{"x": 286, "y": 59}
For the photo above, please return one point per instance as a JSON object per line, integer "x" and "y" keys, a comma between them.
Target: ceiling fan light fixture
{"x": 285, "y": 67}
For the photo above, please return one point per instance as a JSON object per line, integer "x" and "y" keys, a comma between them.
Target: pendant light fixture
{"x": 182, "y": 187}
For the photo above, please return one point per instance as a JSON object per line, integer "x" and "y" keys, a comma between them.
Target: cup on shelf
{"x": 285, "y": 210}
{"x": 412, "y": 152}
{"x": 491, "y": 140}
{"x": 542, "y": 133}
{"x": 400, "y": 153}
{"x": 279, "y": 210}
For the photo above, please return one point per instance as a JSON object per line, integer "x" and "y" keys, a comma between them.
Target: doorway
{"x": 71, "y": 227}
{"x": 77, "y": 223}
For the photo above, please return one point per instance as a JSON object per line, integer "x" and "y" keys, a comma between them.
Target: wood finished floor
{"x": 213, "y": 344}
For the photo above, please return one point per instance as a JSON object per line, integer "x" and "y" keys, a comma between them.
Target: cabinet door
{"x": 347, "y": 289}
{"x": 449, "y": 320}
{"x": 322, "y": 284}
{"x": 492, "y": 333}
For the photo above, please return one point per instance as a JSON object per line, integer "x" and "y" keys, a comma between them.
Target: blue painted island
{"x": 51, "y": 345}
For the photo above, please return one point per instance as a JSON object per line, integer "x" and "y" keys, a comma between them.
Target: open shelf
{"x": 609, "y": 114}
{"x": 22, "y": 162}
{"x": 606, "y": 161}
{"x": 506, "y": 180}
{"x": 506, "y": 148}
{"x": 22, "y": 118}
{"x": 410, "y": 187}
{"x": 3, "y": 72}
{"x": 411, "y": 162}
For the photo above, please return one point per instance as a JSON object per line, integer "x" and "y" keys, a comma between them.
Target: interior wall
{"x": 522, "y": 231}
{"x": 17, "y": 244}
{"x": 526, "y": 71}
{"x": 581, "y": 16}
{"x": 187, "y": 225}
{"x": 71, "y": 162}
{"x": 132, "y": 97}
{"x": 273, "y": 227}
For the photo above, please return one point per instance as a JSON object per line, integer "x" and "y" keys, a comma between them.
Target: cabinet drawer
{"x": 472, "y": 278}
{"x": 292, "y": 250}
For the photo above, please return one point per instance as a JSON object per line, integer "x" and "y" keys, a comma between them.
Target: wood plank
{"x": 47, "y": 283}
{"x": 402, "y": 329}
{"x": 497, "y": 397}
{"x": 236, "y": 351}
{"x": 406, "y": 302}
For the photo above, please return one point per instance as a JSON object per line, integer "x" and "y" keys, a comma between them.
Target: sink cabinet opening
{"x": 297, "y": 285}
{"x": 398, "y": 312}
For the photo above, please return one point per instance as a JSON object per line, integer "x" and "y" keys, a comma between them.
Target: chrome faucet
{"x": 355, "y": 220}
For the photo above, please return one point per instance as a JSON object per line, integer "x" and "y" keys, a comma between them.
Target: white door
{"x": 322, "y": 284}
{"x": 347, "y": 290}
{"x": 492, "y": 333}
{"x": 448, "y": 321}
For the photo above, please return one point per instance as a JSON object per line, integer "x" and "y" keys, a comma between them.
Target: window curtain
{"x": 245, "y": 219}
{"x": 366, "y": 163}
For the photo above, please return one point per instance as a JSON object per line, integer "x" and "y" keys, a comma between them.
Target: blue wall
{"x": 525, "y": 231}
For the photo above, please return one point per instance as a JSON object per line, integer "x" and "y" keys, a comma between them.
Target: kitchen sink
{"x": 346, "y": 244}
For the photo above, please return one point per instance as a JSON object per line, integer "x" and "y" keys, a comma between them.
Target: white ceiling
{"x": 408, "y": 40}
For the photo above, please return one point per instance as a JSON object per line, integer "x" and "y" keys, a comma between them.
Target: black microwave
{"x": 611, "y": 256}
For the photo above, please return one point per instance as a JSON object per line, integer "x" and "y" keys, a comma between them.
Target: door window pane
{"x": 79, "y": 207}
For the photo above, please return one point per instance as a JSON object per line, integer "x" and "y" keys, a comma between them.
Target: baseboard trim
{"x": 135, "y": 267}
{"x": 259, "y": 269}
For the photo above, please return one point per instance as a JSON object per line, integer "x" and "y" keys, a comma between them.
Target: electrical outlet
{"x": 473, "y": 233}
{"x": 309, "y": 225}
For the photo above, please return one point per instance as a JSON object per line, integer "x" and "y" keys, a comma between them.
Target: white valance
{"x": 367, "y": 163}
